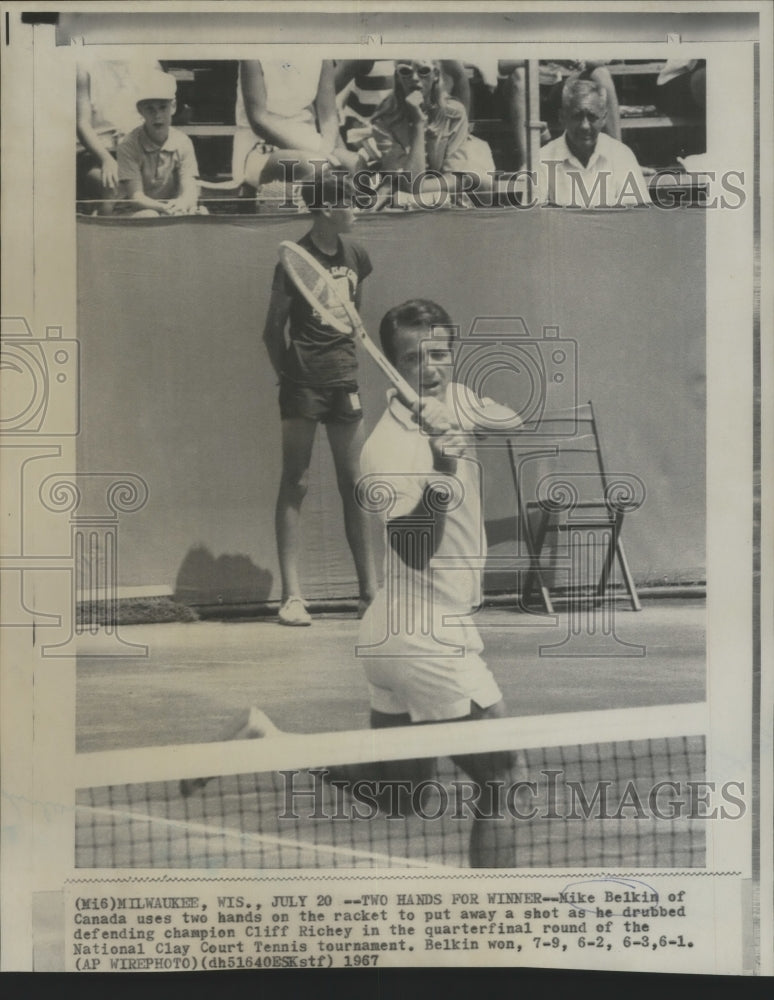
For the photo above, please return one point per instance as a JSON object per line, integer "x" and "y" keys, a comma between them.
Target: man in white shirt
{"x": 420, "y": 648}
{"x": 583, "y": 167}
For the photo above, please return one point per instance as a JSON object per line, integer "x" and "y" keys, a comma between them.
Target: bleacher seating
{"x": 206, "y": 95}
{"x": 207, "y": 88}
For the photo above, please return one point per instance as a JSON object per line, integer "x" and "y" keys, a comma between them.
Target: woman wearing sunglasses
{"x": 419, "y": 128}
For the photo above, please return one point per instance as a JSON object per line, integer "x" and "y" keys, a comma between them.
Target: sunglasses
{"x": 406, "y": 70}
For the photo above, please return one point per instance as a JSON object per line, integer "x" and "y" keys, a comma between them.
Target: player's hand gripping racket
{"x": 320, "y": 291}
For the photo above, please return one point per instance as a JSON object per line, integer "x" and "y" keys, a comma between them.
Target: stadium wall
{"x": 176, "y": 386}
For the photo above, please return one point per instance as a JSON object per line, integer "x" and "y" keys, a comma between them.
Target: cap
{"x": 156, "y": 87}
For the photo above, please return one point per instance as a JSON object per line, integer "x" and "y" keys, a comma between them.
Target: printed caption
{"x": 650, "y": 922}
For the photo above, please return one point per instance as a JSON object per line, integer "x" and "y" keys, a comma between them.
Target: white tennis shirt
{"x": 399, "y": 454}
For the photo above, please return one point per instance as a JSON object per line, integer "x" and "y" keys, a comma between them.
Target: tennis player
{"x": 424, "y": 458}
{"x": 317, "y": 370}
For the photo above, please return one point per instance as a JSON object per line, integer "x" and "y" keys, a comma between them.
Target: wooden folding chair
{"x": 577, "y": 496}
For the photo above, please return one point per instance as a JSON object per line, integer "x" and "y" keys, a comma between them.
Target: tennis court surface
{"x": 593, "y": 736}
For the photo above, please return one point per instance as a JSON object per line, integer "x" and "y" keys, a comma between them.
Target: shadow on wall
{"x": 203, "y": 579}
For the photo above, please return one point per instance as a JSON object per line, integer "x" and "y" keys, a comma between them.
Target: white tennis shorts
{"x": 433, "y": 672}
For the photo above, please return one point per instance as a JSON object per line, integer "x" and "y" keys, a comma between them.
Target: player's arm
{"x": 408, "y": 540}
{"x": 274, "y": 328}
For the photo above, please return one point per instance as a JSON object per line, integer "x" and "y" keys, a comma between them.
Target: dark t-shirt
{"x": 318, "y": 354}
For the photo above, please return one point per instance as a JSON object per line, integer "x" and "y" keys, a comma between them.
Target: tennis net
{"x": 591, "y": 789}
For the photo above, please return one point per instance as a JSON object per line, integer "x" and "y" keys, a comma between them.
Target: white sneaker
{"x": 259, "y": 725}
{"x": 293, "y": 612}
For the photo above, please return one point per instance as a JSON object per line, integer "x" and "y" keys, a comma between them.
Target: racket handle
{"x": 408, "y": 395}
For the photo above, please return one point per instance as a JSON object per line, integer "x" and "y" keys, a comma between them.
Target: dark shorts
{"x": 338, "y": 404}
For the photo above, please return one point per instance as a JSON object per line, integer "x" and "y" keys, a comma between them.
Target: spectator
{"x": 105, "y": 112}
{"x": 366, "y": 83}
{"x": 583, "y": 167}
{"x": 512, "y": 86}
{"x": 580, "y": 69}
{"x": 156, "y": 163}
{"x": 286, "y": 111}
{"x": 419, "y": 128}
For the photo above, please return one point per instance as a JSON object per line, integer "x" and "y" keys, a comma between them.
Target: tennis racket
{"x": 319, "y": 289}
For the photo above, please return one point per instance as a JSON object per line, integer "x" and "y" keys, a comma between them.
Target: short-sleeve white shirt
{"x": 427, "y": 661}
{"x": 399, "y": 453}
{"x": 611, "y": 178}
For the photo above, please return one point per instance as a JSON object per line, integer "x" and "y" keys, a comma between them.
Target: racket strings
{"x": 317, "y": 286}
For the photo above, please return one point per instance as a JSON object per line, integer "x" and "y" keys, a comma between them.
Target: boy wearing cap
{"x": 156, "y": 163}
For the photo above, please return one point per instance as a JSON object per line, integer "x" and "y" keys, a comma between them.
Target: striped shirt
{"x": 370, "y": 86}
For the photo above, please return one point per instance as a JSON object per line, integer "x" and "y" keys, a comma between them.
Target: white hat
{"x": 156, "y": 87}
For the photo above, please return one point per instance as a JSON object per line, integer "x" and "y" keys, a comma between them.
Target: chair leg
{"x": 525, "y": 534}
{"x": 628, "y": 578}
{"x": 615, "y": 548}
{"x": 535, "y": 548}
{"x": 607, "y": 566}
